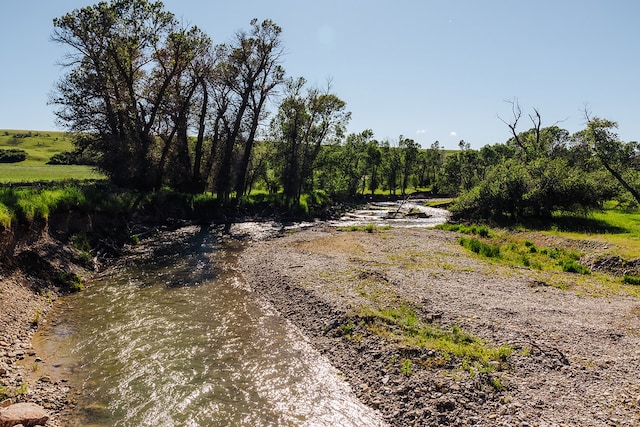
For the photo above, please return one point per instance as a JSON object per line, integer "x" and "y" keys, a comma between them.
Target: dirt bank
{"x": 575, "y": 359}
{"x": 38, "y": 264}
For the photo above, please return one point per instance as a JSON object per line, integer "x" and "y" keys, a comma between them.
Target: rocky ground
{"x": 575, "y": 359}
{"x": 576, "y": 352}
{"x": 27, "y": 292}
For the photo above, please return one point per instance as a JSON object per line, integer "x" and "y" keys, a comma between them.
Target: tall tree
{"x": 252, "y": 72}
{"x": 409, "y": 157}
{"x": 306, "y": 119}
{"x": 620, "y": 159}
{"x": 121, "y": 67}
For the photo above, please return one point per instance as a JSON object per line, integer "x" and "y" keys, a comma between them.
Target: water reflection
{"x": 146, "y": 346}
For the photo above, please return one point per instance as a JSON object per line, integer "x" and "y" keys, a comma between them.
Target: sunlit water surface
{"x": 173, "y": 337}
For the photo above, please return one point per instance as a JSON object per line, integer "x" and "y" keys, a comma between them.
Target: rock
{"x": 27, "y": 414}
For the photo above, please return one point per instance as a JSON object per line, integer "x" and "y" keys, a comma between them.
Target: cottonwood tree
{"x": 620, "y": 159}
{"x": 122, "y": 63}
{"x": 185, "y": 106}
{"x": 251, "y": 72}
{"x": 409, "y": 157}
{"x": 306, "y": 119}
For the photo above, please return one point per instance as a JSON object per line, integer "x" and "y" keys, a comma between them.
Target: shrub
{"x": 12, "y": 155}
{"x": 571, "y": 266}
{"x": 631, "y": 279}
{"x": 481, "y": 248}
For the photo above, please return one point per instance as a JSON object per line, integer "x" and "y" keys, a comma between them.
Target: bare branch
{"x": 517, "y": 114}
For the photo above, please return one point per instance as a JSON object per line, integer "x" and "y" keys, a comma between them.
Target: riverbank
{"x": 575, "y": 357}
{"x": 23, "y": 376}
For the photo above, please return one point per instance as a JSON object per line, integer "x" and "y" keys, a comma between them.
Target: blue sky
{"x": 425, "y": 69}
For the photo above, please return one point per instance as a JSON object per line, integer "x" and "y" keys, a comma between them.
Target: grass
{"x": 369, "y": 228}
{"x": 402, "y": 326}
{"x": 30, "y": 173}
{"x": 555, "y": 251}
{"x": 38, "y": 202}
{"x": 483, "y": 249}
{"x": 478, "y": 230}
{"x": 40, "y": 147}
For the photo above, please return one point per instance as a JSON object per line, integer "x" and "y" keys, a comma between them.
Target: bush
{"x": 12, "y": 155}
{"x": 631, "y": 279}
{"x": 571, "y": 266}
{"x": 481, "y": 248}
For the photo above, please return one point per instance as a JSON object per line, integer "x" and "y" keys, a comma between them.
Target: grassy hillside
{"x": 40, "y": 146}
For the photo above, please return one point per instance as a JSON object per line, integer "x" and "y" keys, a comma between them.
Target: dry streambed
{"x": 574, "y": 359}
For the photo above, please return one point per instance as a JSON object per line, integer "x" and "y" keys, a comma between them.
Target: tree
{"x": 620, "y": 159}
{"x": 354, "y": 160}
{"x": 121, "y": 66}
{"x": 306, "y": 119}
{"x": 185, "y": 107}
{"x": 251, "y": 72}
{"x": 373, "y": 160}
{"x": 409, "y": 156}
{"x": 391, "y": 166}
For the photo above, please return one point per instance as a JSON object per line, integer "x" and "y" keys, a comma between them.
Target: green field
{"x": 40, "y": 146}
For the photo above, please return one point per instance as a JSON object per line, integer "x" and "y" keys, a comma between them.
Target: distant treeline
{"x": 154, "y": 103}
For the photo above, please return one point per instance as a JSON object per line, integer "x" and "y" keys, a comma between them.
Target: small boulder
{"x": 27, "y": 414}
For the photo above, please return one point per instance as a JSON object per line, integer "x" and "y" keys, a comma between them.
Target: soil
{"x": 27, "y": 292}
{"x": 576, "y": 356}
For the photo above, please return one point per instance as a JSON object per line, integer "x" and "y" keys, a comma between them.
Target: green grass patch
{"x": 477, "y": 230}
{"x": 631, "y": 279}
{"x": 402, "y": 326}
{"x": 40, "y": 146}
{"x": 24, "y": 172}
{"x": 483, "y": 249}
{"x": 369, "y": 228}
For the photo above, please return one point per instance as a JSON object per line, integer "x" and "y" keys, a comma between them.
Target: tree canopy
{"x": 154, "y": 102}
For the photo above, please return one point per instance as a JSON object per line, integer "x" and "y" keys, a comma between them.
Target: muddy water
{"x": 173, "y": 337}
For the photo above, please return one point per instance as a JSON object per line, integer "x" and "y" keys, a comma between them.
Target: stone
{"x": 27, "y": 414}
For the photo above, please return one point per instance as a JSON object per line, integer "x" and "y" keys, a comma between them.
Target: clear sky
{"x": 425, "y": 69}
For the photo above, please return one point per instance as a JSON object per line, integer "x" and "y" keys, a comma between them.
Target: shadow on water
{"x": 145, "y": 346}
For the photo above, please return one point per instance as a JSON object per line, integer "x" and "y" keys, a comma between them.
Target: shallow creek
{"x": 172, "y": 336}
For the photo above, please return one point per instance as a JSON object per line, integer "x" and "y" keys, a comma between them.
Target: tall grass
{"x": 38, "y": 202}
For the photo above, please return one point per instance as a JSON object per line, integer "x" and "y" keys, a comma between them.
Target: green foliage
{"x": 369, "y": 228}
{"x": 571, "y": 266}
{"x": 5, "y": 216}
{"x": 405, "y": 367}
{"x": 479, "y": 230}
{"x": 480, "y": 248}
{"x": 403, "y": 326}
{"x": 71, "y": 281}
{"x": 631, "y": 279}
{"x": 12, "y": 155}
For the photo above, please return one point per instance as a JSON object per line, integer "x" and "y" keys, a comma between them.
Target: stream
{"x": 171, "y": 335}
